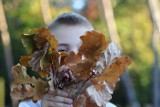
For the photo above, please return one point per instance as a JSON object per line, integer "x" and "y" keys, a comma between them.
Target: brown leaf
{"x": 17, "y": 93}
{"x": 63, "y": 55}
{"x": 53, "y": 42}
{"x": 45, "y": 43}
{"x": 24, "y": 60}
{"x": 35, "y": 60}
{"x": 26, "y": 87}
{"x": 99, "y": 87}
{"x": 83, "y": 69}
{"x": 19, "y": 71}
{"x": 112, "y": 72}
{"x": 93, "y": 44}
{"x": 97, "y": 98}
{"x": 42, "y": 37}
{"x": 73, "y": 58}
{"x": 55, "y": 61}
{"x": 43, "y": 73}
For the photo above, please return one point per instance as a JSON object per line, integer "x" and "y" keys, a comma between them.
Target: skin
{"x": 68, "y": 38}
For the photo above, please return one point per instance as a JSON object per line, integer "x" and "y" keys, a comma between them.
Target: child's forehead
{"x": 63, "y": 30}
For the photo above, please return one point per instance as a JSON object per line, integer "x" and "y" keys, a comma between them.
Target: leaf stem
{"x": 80, "y": 89}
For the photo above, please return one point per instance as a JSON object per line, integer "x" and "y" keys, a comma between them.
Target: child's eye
{"x": 62, "y": 50}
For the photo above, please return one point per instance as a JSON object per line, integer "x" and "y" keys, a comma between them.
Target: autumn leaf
{"x": 24, "y": 60}
{"x": 98, "y": 98}
{"x": 73, "y": 58}
{"x": 26, "y": 87}
{"x": 35, "y": 60}
{"x": 19, "y": 71}
{"x": 93, "y": 44}
{"x": 83, "y": 69}
{"x": 28, "y": 42}
{"x": 38, "y": 42}
{"x": 43, "y": 73}
{"x": 112, "y": 72}
{"x": 42, "y": 37}
{"x": 99, "y": 87}
{"x": 90, "y": 75}
{"x": 53, "y": 43}
{"x": 111, "y": 52}
{"x": 63, "y": 56}
{"x": 21, "y": 92}
{"x": 55, "y": 60}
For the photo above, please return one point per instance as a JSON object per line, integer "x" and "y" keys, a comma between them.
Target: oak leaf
{"x": 83, "y": 69}
{"x": 112, "y": 72}
{"x": 72, "y": 58}
{"x": 25, "y": 87}
{"x": 24, "y": 60}
{"x": 93, "y": 44}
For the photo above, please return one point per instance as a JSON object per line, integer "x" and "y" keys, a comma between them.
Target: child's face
{"x": 68, "y": 37}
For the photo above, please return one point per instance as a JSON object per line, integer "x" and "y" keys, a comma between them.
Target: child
{"x": 67, "y": 29}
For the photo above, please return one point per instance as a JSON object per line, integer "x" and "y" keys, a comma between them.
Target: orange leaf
{"x": 63, "y": 55}
{"x": 112, "y": 72}
{"x": 43, "y": 73}
{"x": 82, "y": 69}
{"x": 24, "y": 60}
{"x": 73, "y": 58}
{"x": 93, "y": 44}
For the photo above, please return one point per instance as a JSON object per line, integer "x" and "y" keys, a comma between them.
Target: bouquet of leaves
{"x": 89, "y": 76}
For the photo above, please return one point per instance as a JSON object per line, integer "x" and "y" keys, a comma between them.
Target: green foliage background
{"x": 134, "y": 27}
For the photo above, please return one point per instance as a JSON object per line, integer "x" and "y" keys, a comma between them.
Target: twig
{"x": 82, "y": 86}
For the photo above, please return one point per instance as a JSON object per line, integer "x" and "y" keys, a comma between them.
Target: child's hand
{"x": 59, "y": 99}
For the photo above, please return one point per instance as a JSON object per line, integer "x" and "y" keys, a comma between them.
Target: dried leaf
{"x": 94, "y": 70}
{"x": 111, "y": 53}
{"x": 83, "y": 69}
{"x": 73, "y": 58}
{"x": 112, "y": 72}
{"x": 99, "y": 87}
{"x": 24, "y": 60}
{"x": 18, "y": 93}
{"x": 99, "y": 98}
{"x": 53, "y": 43}
{"x": 93, "y": 44}
{"x": 26, "y": 87}
{"x": 55, "y": 60}
{"x": 35, "y": 60}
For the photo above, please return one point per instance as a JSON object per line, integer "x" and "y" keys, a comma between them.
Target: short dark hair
{"x": 70, "y": 18}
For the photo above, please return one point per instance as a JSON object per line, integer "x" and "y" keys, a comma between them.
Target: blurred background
{"x": 133, "y": 24}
